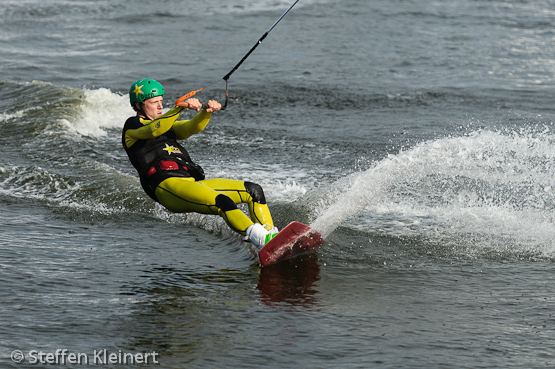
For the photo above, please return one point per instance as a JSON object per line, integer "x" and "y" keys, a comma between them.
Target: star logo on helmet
{"x": 138, "y": 90}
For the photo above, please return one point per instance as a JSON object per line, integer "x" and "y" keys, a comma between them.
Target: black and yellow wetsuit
{"x": 169, "y": 176}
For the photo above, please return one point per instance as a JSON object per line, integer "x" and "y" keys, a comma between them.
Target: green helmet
{"x": 144, "y": 89}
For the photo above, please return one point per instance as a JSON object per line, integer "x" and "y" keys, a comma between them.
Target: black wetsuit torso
{"x": 159, "y": 158}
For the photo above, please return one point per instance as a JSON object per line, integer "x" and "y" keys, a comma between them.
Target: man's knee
{"x": 256, "y": 192}
{"x": 224, "y": 203}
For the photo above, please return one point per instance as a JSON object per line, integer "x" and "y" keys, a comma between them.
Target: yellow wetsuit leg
{"x": 238, "y": 192}
{"x": 213, "y": 196}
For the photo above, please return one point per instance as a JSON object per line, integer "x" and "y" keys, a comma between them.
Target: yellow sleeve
{"x": 186, "y": 128}
{"x": 157, "y": 127}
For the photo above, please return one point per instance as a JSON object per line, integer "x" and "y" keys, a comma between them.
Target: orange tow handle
{"x": 186, "y": 96}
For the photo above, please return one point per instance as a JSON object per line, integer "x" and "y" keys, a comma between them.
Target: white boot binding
{"x": 259, "y": 235}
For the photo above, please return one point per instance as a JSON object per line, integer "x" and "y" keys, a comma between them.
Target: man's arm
{"x": 186, "y": 128}
{"x": 157, "y": 127}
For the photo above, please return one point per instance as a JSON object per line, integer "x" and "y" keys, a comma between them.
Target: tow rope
{"x": 226, "y": 77}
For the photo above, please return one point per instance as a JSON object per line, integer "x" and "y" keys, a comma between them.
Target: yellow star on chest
{"x": 171, "y": 149}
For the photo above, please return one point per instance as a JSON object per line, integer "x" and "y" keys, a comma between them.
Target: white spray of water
{"x": 101, "y": 110}
{"x": 486, "y": 188}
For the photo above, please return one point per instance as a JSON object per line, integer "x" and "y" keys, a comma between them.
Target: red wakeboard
{"x": 294, "y": 240}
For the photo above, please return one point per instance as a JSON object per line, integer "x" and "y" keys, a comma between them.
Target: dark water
{"x": 416, "y": 136}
